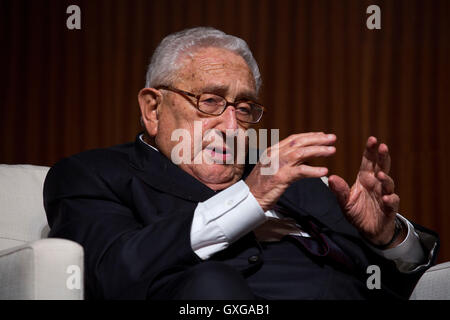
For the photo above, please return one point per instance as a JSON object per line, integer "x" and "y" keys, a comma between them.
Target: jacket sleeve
{"x": 123, "y": 257}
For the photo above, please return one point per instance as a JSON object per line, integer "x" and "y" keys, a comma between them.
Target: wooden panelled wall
{"x": 66, "y": 91}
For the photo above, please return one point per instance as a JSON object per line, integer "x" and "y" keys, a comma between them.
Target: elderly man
{"x": 206, "y": 228}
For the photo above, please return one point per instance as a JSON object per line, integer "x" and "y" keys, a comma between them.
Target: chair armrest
{"x": 434, "y": 284}
{"x": 44, "y": 270}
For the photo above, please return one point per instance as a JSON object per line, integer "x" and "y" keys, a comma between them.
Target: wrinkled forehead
{"x": 210, "y": 67}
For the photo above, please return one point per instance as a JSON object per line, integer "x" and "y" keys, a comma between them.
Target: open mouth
{"x": 219, "y": 153}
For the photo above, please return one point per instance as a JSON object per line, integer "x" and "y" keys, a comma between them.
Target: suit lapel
{"x": 159, "y": 172}
{"x": 332, "y": 218}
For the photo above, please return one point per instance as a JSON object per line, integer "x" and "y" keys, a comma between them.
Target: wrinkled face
{"x": 211, "y": 70}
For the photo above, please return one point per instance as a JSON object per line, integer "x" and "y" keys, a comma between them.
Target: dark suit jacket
{"x": 131, "y": 209}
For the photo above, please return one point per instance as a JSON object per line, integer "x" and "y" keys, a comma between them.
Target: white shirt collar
{"x": 141, "y": 137}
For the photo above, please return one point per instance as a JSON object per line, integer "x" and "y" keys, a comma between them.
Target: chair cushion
{"x": 434, "y": 284}
{"x": 43, "y": 269}
{"x": 22, "y": 215}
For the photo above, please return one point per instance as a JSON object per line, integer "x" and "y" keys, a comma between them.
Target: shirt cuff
{"x": 223, "y": 219}
{"x": 409, "y": 255}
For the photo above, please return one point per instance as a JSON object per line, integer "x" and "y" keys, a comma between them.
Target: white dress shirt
{"x": 233, "y": 212}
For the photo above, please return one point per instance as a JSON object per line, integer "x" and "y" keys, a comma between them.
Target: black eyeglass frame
{"x": 187, "y": 94}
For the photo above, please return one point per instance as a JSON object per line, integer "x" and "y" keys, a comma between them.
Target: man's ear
{"x": 149, "y": 102}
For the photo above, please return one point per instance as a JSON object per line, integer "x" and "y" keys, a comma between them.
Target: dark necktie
{"x": 319, "y": 243}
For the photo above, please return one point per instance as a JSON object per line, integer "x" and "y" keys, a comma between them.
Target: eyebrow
{"x": 223, "y": 90}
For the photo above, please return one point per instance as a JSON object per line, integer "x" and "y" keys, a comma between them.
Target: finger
{"x": 384, "y": 159}
{"x": 300, "y": 155}
{"x": 312, "y": 139}
{"x": 370, "y": 155}
{"x": 391, "y": 203}
{"x": 340, "y": 188}
{"x": 291, "y": 140}
{"x": 370, "y": 181}
{"x": 387, "y": 183}
{"x": 305, "y": 171}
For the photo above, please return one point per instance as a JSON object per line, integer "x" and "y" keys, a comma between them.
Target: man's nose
{"x": 228, "y": 119}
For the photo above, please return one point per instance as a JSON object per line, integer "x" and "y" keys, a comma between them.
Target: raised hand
{"x": 370, "y": 204}
{"x": 292, "y": 152}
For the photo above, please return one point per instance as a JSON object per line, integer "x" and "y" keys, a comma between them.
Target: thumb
{"x": 340, "y": 188}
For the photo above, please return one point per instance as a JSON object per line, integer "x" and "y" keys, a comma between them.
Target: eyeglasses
{"x": 213, "y": 104}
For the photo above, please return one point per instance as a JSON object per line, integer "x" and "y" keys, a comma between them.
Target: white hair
{"x": 163, "y": 65}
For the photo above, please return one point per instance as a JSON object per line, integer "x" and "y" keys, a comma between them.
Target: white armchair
{"x": 434, "y": 284}
{"x": 31, "y": 266}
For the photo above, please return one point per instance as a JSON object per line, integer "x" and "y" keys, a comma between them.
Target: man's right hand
{"x": 292, "y": 152}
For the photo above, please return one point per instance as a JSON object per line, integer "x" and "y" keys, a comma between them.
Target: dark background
{"x": 64, "y": 91}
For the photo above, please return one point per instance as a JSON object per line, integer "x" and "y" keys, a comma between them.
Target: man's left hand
{"x": 371, "y": 204}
